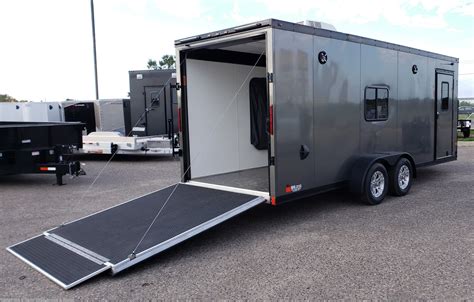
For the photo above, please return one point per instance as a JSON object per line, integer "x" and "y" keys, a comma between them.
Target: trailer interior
{"x": 227, "y": 111}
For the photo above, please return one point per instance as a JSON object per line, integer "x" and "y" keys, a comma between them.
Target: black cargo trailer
{"x": 35, "y": 147}
{"x": 269, "y": 112}
{"x": 83, "y": 112}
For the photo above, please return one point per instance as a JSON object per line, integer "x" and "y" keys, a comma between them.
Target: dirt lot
{"x": 329, "y": 247}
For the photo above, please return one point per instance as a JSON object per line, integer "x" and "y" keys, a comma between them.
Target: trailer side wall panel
{"x": 337, "y": 104}
{"x": 416, "y": 107}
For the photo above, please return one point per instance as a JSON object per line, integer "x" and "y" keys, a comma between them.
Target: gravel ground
{"x": 327, "y": 247}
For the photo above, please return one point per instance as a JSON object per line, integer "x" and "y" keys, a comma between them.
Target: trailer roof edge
{"x": 290, "y": 26}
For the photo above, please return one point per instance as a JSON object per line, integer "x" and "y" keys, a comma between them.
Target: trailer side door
{"x": 444, "y": 114}
{"x": 293, "y": 112}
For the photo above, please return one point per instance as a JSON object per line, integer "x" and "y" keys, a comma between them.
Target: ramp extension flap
{"x": 61, "y": 263}
{"x": 82, "y": 249}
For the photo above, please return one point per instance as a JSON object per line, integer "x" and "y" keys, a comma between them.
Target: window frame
{"x": 377, "y": 88}
{"x": 442, "y": 98}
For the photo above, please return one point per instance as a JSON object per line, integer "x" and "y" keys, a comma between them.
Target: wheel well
{"x": 390, "y": 163}
{"x": 412, "y": 162}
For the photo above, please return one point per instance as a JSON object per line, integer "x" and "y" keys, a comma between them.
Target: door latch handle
{"x": 304, "y": 152}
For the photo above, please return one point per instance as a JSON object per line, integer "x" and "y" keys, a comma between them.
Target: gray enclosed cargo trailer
{"x": 268, "y": 112}
{"x": 337, "y": 104}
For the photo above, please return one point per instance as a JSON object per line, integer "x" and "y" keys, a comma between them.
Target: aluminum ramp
{"x": 82, "y": 249}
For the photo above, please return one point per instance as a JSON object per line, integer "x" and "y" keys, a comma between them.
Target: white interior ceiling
{"x": 256, "y": 47}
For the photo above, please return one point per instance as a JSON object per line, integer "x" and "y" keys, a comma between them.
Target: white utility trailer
{"x": 115, "y": 142}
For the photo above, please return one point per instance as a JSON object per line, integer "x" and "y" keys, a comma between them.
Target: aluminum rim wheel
{"x": 377, "y": 184}
{"x": 403, "y": 177}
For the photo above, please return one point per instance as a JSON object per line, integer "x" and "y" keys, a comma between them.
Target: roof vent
{"x": 317, "y": 24}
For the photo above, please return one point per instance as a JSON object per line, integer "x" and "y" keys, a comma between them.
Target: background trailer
{"x": 153, "y": 102}
{"x": 268, "y": 112}
{"x": 99, "y": 115}
{"x": 29, "y": 147}
{"x": 31, "y": 112}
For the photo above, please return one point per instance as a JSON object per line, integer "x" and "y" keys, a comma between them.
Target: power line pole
{"x": 95, "y": 53}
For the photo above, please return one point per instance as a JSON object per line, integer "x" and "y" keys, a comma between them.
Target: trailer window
{"x": 155, "y": 99}
{"x": 376, "y": 104}
{"x": 444, "y": 96}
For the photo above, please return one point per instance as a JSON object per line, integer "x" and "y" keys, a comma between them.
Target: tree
{"x": 151, "y": 64}
{"x": 167, "y": 62}
{"x": 465, "y": 103}
{"x": 5, "y": 98}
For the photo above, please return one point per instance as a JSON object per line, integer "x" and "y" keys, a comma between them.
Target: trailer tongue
{"x": 127, "y": 234}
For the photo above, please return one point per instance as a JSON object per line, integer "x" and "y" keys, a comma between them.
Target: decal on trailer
{"x": 293, "y": 188}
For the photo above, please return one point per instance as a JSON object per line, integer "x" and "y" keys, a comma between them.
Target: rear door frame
{"x": 181, "y": 94}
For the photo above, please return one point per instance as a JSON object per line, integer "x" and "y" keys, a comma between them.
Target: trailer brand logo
{"x": 293, "y": 188}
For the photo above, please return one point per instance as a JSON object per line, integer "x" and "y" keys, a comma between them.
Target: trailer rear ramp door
{"x": 82, "y": 249}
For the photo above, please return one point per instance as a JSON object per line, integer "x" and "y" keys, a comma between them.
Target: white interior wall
{"x": 219, "y": 125}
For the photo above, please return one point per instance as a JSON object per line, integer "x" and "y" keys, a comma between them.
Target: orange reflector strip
{"x": 43, "y": 168}
{"x": 273, "y": 200}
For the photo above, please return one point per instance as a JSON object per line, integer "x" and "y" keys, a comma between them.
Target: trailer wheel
{"x": 466, "y": 132}
{"x": 376, "y": 184}
{"x": 401, "y": 177}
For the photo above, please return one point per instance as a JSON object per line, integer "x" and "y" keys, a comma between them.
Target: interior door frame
{"x": 162, "y": 89}
{"x": 439, "y": 71}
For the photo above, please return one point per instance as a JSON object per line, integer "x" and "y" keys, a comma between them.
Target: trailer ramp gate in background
{"x": 82, "y": 249}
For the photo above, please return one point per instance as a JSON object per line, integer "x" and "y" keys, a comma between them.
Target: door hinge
{"x": 272, "y": 161}
{"x": 270, "y": 77}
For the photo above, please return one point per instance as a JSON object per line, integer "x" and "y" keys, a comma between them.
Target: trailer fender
{"x": 363, "y": 163}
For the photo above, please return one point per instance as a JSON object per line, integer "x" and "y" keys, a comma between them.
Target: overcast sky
{"x": 46, "y": 46}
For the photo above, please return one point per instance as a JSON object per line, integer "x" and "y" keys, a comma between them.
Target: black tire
{"x": 369, "y": 196}
{"x": 401, "y": 187}
{"x": 466, "y": 133}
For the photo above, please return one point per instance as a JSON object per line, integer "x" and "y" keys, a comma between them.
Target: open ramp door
{"x": 124, "y": 235}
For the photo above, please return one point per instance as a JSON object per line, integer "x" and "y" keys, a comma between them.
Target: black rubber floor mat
{"x": 58, "y": 263}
